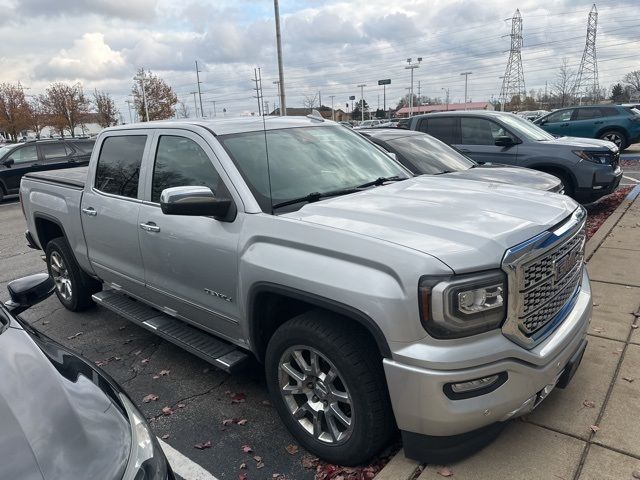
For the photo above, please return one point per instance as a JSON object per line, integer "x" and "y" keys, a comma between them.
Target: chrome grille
{"x": 543, "y": 295}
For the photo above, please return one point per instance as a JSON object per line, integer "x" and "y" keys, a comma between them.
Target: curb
{"x": 609, "y": 224}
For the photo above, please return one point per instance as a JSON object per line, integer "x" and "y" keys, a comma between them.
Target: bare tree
{"x": 160, "y": 97}
{"x": 14, "y": 111}
{"x": 66, "y": 106}
{"x": 106, "y": 108}
{"x": 632, "y": 79}
{"x": 561, "y": 88}
{"x": 310, "y": 102}
{"x": 37, "y": 117}
{"x": 183, "y": 110}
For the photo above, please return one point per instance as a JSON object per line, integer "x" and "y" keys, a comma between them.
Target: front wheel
{"x": 326, "y": 382}
{"x": 73, "y": 287}
{"x": 616, "y": 137}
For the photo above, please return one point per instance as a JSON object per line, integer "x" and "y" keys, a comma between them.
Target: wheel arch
{"x": 281, "y": 303}
{"x": 549, "y": 167}
{"x": 47, "y": 228}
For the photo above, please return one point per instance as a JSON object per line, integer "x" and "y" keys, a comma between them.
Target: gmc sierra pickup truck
{"x": 376, "y": 300}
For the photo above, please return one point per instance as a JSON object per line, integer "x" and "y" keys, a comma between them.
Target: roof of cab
{"x": 225, "y": 126}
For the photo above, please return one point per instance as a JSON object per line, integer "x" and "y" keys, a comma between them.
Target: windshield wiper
{"x": 315, "y": 196}
{"x": 443, "y": 172}
{"x": 380, "y": 181}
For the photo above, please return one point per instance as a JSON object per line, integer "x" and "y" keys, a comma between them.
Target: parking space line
{"x": 183, "y": 466}
{"x": 631, "y": 178}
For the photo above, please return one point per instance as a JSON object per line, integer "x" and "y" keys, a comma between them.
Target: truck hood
{"x": 58, "y": 421}
{"x": 585, "y": 143}
{"x": 468, "y": 225}
{"x": 524, "y": 177}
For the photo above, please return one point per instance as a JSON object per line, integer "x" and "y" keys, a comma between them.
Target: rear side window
{"x": 180, "y": 162}
{"x": 119, "y": 165}
{"x": 54, "y": 150}
{"x": 588, "y": 113}
{"x": 609, "y": 111}
{"x": 445, "y": 129}
{"x": 83, "y": 147}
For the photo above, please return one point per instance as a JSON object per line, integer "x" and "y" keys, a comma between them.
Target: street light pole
{"x": 466, "y": 77}
{"x": 144, "y": 95}
{"x": 412, "y": 67}
{"x": 283, "y": 105}
{"x": 333, "y": 112}
{"x": 361, "y": 86}
{"x": 447, "y": 97}
{"x": 195, "y": 104}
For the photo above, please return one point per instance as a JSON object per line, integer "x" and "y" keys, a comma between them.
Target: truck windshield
{"x": 525, "y": 128}
{"x": 305, "y": 160}
{"x": 6, "y": 149}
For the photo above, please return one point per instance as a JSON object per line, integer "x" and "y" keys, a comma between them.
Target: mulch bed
{"x": 599, "y": 211}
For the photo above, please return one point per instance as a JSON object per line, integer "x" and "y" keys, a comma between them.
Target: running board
{"x": 211, "y": 349}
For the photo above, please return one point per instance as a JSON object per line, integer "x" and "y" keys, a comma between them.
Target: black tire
{"x": 567, "y": 183}
{"x": 359, "y": 367}
{"x": 82, "y": 286}
{"x": 617, "y": 137}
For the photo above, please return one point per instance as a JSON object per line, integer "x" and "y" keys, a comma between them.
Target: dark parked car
{"x": 60, "y": 416}
{"x": 588, "y": 168}
{"x": 424, "y": 154}
{"x": 615, "y": 123}
{"x": 21, "y": 158}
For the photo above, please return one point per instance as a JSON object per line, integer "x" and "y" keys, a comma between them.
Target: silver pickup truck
{"x": 376, "y": 300}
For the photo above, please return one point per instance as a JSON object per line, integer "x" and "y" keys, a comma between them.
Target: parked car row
{"x": 362, "y": 288}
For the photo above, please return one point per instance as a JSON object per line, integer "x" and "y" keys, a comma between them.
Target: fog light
{"x": 472, "y": 385}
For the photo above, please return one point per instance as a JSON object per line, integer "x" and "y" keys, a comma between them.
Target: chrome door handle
{"x": 89, "y": 211}
{"x": 150, "y": 227}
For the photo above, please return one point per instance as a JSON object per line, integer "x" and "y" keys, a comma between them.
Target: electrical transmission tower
{"x": 587, "y": 84}
{"x": 513, "y": 81}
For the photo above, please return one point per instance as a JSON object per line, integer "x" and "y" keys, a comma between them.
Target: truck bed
{"x": 70, "y": 177}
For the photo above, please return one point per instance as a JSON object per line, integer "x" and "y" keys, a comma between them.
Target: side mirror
{"x": 194, "y": 201}
{"x": 8, "y": 162}
{"x": 504, "y": 141}
{"x": 28, "y": 291}
{"x": 540, "y": 122}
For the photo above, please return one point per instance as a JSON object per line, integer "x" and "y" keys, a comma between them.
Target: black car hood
{"x": 59, "y": 417}
{"x": 498, "y": 173}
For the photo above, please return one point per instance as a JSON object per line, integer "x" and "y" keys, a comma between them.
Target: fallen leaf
{"x": 150, "y": 398}
{"x": 594, "y": 428}
{"x": 238, "y": 398}
{"x": 445, "y": 472}
{"x": 45, "y": 322}
{"x": 635, "y": 474}
{"x": 127, "y": 341}
{"x": 145, "y": 360}
{"x": 589, "y": 403}
{"x": 122, "y": 328}
{"x": 165, "y": 436}
{"x": 75, "y": 335}
{"x": 101, "y": 363}
{"x": 243, "y": 466}
{"x": 257, "y": 458}
{"x": 246, "y": 449}
{"x": 291, "y": 449}
{"x": 260, "y": 465}
{"x": 634, "y": 326}
{"x": 155, "y": 377}
{"x": 242, "y": 421}
{"x": 202, "y": 446}
{"x": 598, "y": 329}
{"x": 628, "y": 379}
{"x": 227, "y": 421}
{"x": 310, "y": 462}
{"x": 266, "y": 403}
{"x": 596, "y": 304}
{"x": 137, "y": 352}
{"x": 167, "y": 411}
{"x": 181, "y": 405}
{"x": 242, "y": 476}
{"x": 164, "y": 372}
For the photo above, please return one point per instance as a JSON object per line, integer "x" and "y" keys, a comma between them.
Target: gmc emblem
{"x": 564, "y": 265}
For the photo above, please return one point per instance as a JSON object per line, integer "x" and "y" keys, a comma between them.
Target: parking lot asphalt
{"x": 200, "y": 396}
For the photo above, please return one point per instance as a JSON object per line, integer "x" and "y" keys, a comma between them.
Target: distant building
{"x": 404, "y": 111}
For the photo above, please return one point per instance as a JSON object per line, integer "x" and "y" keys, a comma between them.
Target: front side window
{"x": 119, "y": 163}
{"x": 444, "y": 129}
{"x": 479, "y": 131}
{"x": 561, "y": 116}
{"x": 27, "y": 154}
{"x": 306, "y": 160}
{"x": 53, "y": 150}
{"x": 181, "y": 162}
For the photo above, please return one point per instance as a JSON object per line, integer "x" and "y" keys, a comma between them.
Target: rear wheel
{"x": 326, "y": 381}
{"x": 614, "y": 136}
{"x": 73, "y": 287}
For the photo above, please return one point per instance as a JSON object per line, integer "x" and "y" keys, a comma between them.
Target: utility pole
{"x": 513, "y": 81}
{"x": 418, "y": 98}
{"x": 412, "y": 66}
{"x": 587, "y": 77}
{"x": 199, "y": 92}
{"x": 446, "y": 90}
{"x": 257, "y": 89}
{"x": 319, "y": 98}
{"x": 277, "y": 84}
{"x": 128, "y": 102}
{"x": 144, "y": 94}
{"x": 195, "y": 104}
{"x": 261, "y": 95}
{"x": 333, "y": 112}
{"x": 283, "y": 104}
{"x": 361, "y": 86}
{"x": 466, "y": 76}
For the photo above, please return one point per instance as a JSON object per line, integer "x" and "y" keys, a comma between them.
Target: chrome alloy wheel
{"x": 317, "y": 397}
{"x": 613, "y": 137}
{"x": 60, "y": 275}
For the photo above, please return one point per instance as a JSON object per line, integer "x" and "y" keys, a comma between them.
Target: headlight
{"x": 464, "y": 305}
{"x": 601, "y": 158}
{"x": 146, "y": 461}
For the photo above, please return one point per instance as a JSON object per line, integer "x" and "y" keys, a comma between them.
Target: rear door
{"x": 585, "y": 122}
{"x": 25, "y": 159}
{"x": 191, "y": 263}
{"x": 478, "y": 141}
{"x": 445, "y": 129}
{"x": 54, "y": 155}
{"x": 558, "y": 123}
{"x": 110, "y": 207}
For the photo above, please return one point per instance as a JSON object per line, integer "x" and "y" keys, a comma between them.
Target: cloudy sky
{"x": 329, "y": 46}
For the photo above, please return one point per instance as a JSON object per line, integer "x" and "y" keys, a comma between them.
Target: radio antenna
{"x": 266, "y": 150}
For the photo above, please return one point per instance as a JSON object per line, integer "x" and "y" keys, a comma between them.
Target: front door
{"x": 25, "y": 160}
{"x": 559, "y": 123}
{"x": 478, "y": 140}
{"x": 191, "y": 263}
{"x": 110, "y": 208}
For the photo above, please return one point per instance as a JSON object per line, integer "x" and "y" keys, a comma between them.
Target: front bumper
{"x": 604, "y": 182}
{"x": 418, "y": 394}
